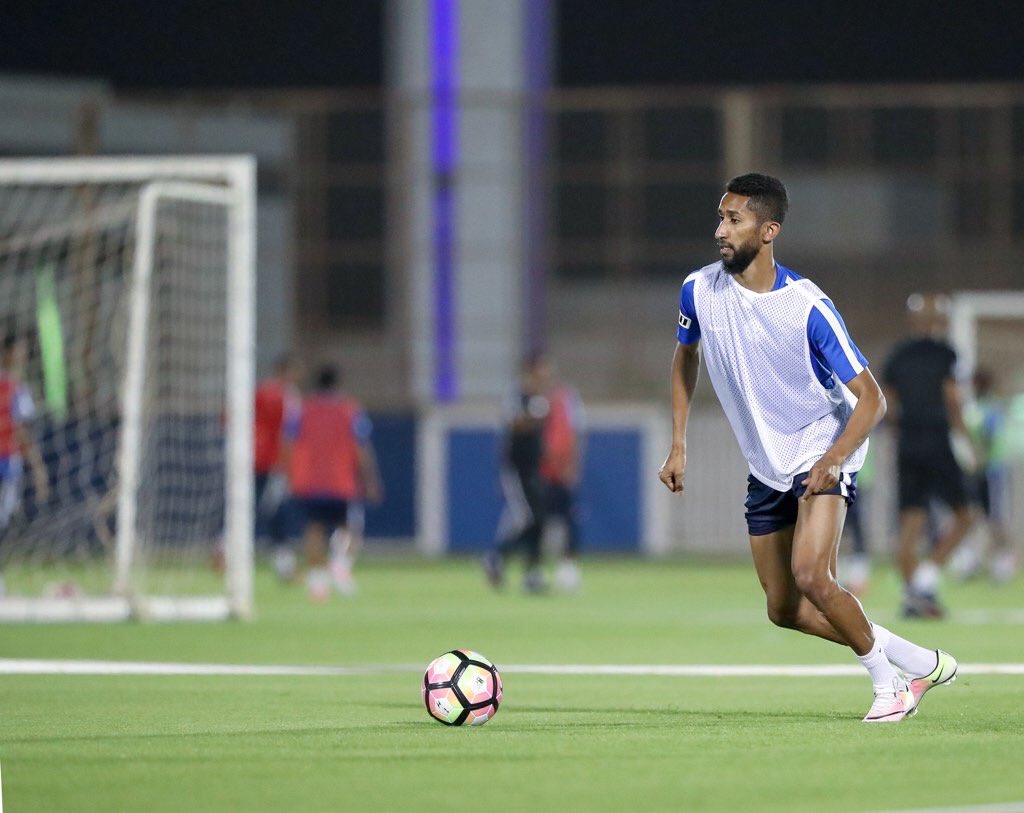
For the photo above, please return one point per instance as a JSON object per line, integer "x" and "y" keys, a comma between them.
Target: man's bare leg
{"x": 787, "y": 606}
{"x": 819, "y": 526}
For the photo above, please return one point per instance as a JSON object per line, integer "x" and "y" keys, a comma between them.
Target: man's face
{"x": 738, "y": 233}
{"x": 537, "y": 378}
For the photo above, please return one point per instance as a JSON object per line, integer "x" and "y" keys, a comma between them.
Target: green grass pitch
{"x": 583, "y": 743}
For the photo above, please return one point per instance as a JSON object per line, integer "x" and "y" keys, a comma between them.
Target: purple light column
{"x": 537, "y": 36}
{"x": 444, "y": 121}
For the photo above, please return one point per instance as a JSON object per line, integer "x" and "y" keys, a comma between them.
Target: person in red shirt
{"x": 332, "y": 469}
{"x": 277, "y": 403}
{"x": 17, "y": 447}
{"x": 560, "y": 471}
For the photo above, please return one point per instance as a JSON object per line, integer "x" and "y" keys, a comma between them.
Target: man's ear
{"x": 770, "y": 230}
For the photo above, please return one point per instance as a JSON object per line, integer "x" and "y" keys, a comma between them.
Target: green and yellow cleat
{"x": 944, "y": 672}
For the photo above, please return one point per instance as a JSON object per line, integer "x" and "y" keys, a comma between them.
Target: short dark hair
{"x": 768, "y": 198}
{"x": 328, "y": 377}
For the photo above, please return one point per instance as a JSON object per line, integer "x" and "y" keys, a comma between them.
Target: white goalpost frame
{"x": 967, "y": 307}
{"x": 225, "y": 180}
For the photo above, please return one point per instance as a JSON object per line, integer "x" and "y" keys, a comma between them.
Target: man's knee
{"x": 782, "y": 613}
{"x": 813, "y": 582}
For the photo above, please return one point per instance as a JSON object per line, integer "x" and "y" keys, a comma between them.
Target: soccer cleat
{"x": 892, "y": 705}
{"x": 944, "y": 672}
{"x": 341, "y": 576}
{"x": 319, "y": 584}
{"x": 1003, "y": 567}
{"x": 533, "y": 581}
{"x": 922, "y": 605}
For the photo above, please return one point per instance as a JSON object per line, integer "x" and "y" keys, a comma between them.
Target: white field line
{"x": 1009, "y": 615}
{"x": 18, "y": 666}
{"x": 999, "y": 807}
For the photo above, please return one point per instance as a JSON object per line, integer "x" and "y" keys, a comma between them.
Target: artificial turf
{"x": 573, "y": 742}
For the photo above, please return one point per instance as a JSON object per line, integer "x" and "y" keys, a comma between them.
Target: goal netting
{"x": 126, "y": 303}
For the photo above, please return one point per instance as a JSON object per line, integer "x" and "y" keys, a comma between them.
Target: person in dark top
{"x": 522, "y": 519}
{"x": 924, "y": 399}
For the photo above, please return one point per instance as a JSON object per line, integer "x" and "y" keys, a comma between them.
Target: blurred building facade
{"x": 894, "y": 189}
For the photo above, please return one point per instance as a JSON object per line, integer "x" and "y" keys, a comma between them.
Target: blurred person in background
{"x": 560, "y": 463}
{"x": 332, "y": 470}
{"x": 521, "y": 526}
{"x": 17, "y": 446}
{"x": 926, "y": 409}
{"x": 277, "y": 404}
{"x": 986, "y": 419}
{"x": 801, "y": 401}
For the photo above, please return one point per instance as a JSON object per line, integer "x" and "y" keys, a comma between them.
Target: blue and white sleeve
{"x": 362, "y": 427}
{"x": 688, "y": 331}
{"x": 292, "y": 422}
{"x": 23, "y": 408}
{"x": 831, "y": 343}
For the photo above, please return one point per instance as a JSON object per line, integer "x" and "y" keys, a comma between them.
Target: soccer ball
{"x": 461, "y": 687}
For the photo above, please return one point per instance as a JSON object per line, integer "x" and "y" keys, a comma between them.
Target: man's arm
{"x": 954, "y": 405}
{"x": 369, "y": 473}
{"x": 967, "y": 449}
{"x": 869, "y": 411}
{"x": 685, "y": 368}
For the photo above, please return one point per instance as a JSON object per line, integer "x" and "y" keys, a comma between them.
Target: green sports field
{"x": 583, "y": 742}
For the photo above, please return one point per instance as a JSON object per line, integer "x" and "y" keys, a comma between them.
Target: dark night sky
{"x": 225, "y": 43}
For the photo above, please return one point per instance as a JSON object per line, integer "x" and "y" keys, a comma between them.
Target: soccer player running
{"x": 986, "y": 418}
{"x": 277, "y": 404}
{"x": 521, "y": 524}
{"x": 920, "y": 383}
{"x": 801, "y": 401}
{"x": 17, "y": 446}
{"x": 560, "y": 470}
{"x": 332, "y": 468}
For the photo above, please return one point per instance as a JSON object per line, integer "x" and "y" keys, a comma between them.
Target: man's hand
{"x": 823, "y": 476}
{"x": 373, "y": 493}
{"x": 672, "y": 470}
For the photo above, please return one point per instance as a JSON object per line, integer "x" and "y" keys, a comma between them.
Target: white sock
{"x": 285, "y": 563}
{"x": 914, "y": 660}
{"x": 882, "y": 674}
{"x": 340, "y": 562}
{"x": 319, "y": 579}
{"x": 926, "y": 578}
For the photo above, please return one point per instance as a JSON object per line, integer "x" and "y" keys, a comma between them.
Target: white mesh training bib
{"x": 756, "y": 350}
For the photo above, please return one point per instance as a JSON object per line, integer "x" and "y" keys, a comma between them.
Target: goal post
{"x": 987, "y": 331}
{"x": 142, "y": 378}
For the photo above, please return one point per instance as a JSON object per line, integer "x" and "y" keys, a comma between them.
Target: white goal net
{"x": 126, "y": 306}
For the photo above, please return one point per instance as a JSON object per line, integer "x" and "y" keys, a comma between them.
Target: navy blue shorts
{"x": 930, "y": 471}
{"x": 330, "y": 512}
{"x": 769, "y": 510}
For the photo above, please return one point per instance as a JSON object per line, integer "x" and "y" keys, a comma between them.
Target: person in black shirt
{"x": 924, "y": 400}
{"x": 522, "y": 520}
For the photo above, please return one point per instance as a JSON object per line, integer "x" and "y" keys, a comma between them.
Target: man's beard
{"x": 742, "y": 256}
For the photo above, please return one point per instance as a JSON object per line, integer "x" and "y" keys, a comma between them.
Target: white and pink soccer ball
{"x": 461, "y": 687}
